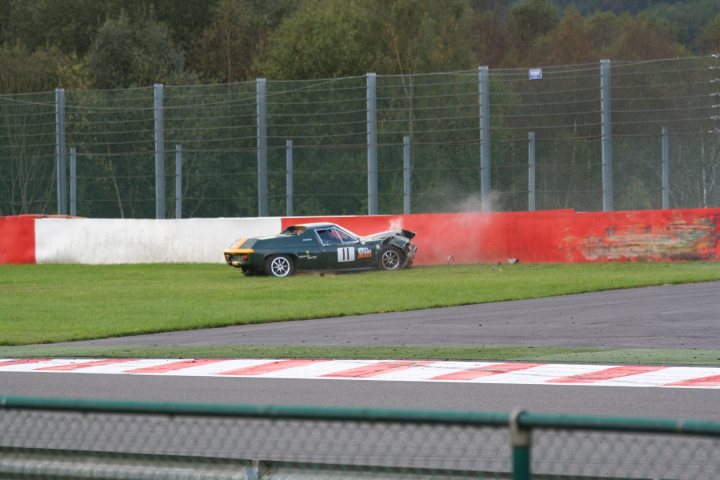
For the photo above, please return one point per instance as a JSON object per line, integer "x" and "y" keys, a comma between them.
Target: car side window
{"x": 326, "y": 236}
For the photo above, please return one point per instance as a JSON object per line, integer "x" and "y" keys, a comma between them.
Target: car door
{"x": 340, "y": 250}
{"x": 308, "y": 251}
{"x": 332, "y": 253}
{"x": 364, "y": 255}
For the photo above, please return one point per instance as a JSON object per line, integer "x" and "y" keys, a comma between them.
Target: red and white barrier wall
{"x": 545, "y": 236}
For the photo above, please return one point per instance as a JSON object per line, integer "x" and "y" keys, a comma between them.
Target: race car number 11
{"x": 346, "y": 254}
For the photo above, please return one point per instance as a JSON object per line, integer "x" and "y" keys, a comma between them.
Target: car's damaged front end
{"x": 395, "y": 239}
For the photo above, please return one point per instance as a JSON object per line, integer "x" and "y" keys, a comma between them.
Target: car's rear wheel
{"x": 280, "y": 266}
{"x": 391, "y": 259}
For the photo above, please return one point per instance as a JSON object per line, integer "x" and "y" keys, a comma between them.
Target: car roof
{"x": 314, "y": 225}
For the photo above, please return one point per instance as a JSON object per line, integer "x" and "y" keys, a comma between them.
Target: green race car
{"x": 321, "y": 246}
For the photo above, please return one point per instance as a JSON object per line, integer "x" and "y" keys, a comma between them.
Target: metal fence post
{"x": 372, "y": 143}
{"x": 60, "y": 151}
{"x": 521, "y": 442}
{"x": 531, "y": 171}
{"x": 73, "y": 181}
{"x": 665, "y": 168}
{"x": 606, "y": 132}
{"x": 484, "y": 91}
{"x": 407, "y": 186}
{"x": 159, "y": 152}
{"x": 178, "y": 180}
{"x": 261, "y": 90}
{"x": 289, "y": 177}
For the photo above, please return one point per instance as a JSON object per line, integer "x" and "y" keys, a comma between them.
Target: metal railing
{"x": 614, "y": 135}
{"x": 56, "y": 438}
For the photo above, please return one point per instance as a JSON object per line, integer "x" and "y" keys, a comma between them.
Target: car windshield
{"x": 345, "y": 236}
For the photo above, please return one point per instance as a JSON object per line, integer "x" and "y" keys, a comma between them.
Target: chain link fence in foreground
{"x": 45, "y": 438}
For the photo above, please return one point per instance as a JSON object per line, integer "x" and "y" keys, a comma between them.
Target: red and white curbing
{"x": 387, "y": 370}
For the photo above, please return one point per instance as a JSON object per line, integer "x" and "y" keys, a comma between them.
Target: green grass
{"x": 53, "y": 303}
{"x": 494, "y": 353}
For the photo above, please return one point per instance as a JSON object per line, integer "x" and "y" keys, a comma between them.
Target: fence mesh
{"x": 216, "y": 127}
{"x": 176, "y": 441}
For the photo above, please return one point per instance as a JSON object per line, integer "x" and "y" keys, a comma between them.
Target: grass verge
{"x": 53, "y": 303}
{"x": 495, "y": 353}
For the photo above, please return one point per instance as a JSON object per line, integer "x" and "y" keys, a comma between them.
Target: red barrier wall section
{"x": 558, "y": 236}
{"x": 550, "y": 236}
{"x": 17, "y": 239}
{"x": 665, "y": 235}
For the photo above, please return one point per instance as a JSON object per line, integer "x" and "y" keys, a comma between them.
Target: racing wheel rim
{"x": 390, "y": 260}
{"x": 280, "y": 266}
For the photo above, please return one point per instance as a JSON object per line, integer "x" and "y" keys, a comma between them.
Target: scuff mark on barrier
{"x": 694, "y": 239}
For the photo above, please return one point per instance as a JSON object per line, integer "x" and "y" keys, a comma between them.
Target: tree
{"x": 489, "y": 38}
{"x": 230, "y": 43}
{"x": 417, "y": 36}
{"x": 137, "y": 54}
{"x": 68, "y": 26}
{"x": 643, "y": 40}
{"x": 709, "y": 41}
{"x": 529, "y": 21}
{"x": 42, "y": 70}
{"x": 324, "y": 38}
{"x": 571, "y": 42}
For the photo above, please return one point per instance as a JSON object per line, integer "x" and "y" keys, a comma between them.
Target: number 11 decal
{"x": 346, "y": 254}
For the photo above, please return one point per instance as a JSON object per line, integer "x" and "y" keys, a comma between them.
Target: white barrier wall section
{"x": 106, "y": 241}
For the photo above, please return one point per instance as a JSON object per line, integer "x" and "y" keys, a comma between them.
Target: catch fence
{"x": 608, "y": 136}
{"x": 69, "y": 439}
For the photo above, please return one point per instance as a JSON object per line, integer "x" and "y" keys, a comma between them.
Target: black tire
{"x": 391, "y": 259}
{"x": 280, "y": 266}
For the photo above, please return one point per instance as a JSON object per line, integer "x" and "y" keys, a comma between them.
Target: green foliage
{"x": 136, "y": 43}
{"x": 709, "y": 41}
{"x": 530, "y": 20}
{"x": 68, "y": 26}
{"x": 41, "y": 70}
{"x": 416, "y": 36}
{"x": 230, "y": 44}
{"x": 324, "y": 38}
{"x": 125, "y": 53}
{"x": 688, "y": 18}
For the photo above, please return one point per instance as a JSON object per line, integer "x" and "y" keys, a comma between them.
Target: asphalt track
{"x": 683, "y": 316}
{"x": 677, "y": 316}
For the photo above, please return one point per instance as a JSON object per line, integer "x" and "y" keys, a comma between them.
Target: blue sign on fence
{"x": 535, "y": 74}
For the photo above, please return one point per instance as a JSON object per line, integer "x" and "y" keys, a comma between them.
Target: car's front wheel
{"x": 280, "y": 266}
{"x": 391, "y": 259}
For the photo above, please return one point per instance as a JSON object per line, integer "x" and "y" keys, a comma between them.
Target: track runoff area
{"x": 390, "y": 370}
